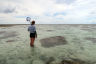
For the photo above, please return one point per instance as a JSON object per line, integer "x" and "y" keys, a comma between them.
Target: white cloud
{"x": 76, "y": 11}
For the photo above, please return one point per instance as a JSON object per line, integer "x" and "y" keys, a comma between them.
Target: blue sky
{"x": 48, "y": 11}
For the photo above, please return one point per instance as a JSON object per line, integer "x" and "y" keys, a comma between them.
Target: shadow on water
{"x": 8, "y": 34}
{"x": 91, "y": 39}
{"x": 53, "y": 41}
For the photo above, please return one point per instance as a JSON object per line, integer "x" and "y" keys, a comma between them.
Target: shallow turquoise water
{"x": 80, "y": 47}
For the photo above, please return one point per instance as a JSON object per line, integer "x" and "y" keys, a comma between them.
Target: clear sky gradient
{"x": 48, "y": 11}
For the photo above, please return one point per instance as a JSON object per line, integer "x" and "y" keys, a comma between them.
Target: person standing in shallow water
{"x": 33, "y": 33}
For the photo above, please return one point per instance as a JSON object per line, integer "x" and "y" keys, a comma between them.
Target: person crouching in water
{"x": 33, "y": 33}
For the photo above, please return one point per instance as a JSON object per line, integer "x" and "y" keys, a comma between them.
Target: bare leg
{"x": 32, "y": 41}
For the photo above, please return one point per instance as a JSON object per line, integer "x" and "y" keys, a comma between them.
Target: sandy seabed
{"x": 55, "y": 44}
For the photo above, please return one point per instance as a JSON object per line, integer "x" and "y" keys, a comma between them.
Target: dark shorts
{"x": 32, "y": 35}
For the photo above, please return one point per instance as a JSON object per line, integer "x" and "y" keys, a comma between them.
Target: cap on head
{"x": 33, "y": 22}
